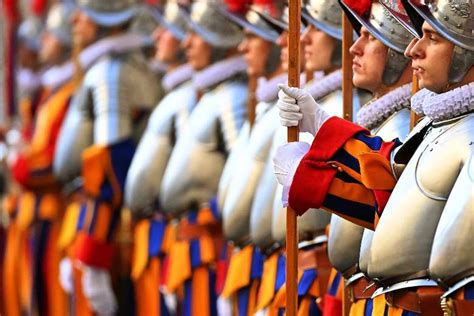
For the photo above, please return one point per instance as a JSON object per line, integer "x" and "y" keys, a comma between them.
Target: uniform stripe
{"x": 334, "y": 287}
{"x": 352, "y": 191}
{"x": 469, "y": 291}
{"x": 346, "y": 178}
{"x": 350, "y": 209}
{"x": 306, "y": 281}
{"x": 347, "y": 160}
{"x": 368, "y": 307}
{"x": 281, "y": 273}
{"x": 195, "y": 251}
{"x": 374, "y": 142}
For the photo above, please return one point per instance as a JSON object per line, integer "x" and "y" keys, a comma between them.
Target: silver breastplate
{"x": 118, "y": 86}
{"x": 262, "y": 206}
{"x": 246, "y": 175}
{"x": 404, "y": 237}
{"x": 344, "y": 246}
{"x": 76, "y": 135}
{"x": 365, "y": 247}
{"x": 149, "y": 162}
{"x": 198, "y": 158}
{"x": 452, "y": 254}
{"x": 231, "y": 165}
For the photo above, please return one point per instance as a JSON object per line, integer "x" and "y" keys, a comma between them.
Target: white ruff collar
{"x": 56, "y": 76}
{"x": 373, "y": 113}
{"x": 157, "y": 67}
{"x": 444, "y": 106}
{"x": 267, "y": 90}
{"x": 319, "y": 88}
{"x": 219, "y": 72}
{"x": 28, "y": 81}
{"x": 176, "y": 77}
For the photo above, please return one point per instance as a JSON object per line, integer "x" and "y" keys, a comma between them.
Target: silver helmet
{"x": 385, "y": 28}
{"x": 144, "y": 21}
{"x": 172, "y": 17}
{"x": 453, "y": 19}
{"x": 108, "y": 13}
{"x": 58, "y": 22}
{"x": 325, "y": 15}
{"x": 253, "y": 20}
{"x": 29, "y": 33}
{"x": 206, "y": 20}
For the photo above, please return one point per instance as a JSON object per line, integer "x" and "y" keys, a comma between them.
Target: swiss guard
{"x": 34, "y": 227}
{"x": 154, "y": 230}
{"x": 412, "y": 194}
{"x": 96, "y": 145}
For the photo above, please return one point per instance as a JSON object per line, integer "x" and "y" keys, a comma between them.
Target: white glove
{"x": 297, "y": 106}
{"x": 285, "y": 162}
{"x": 65, "y": 275}
{"x": 97, "y": 288}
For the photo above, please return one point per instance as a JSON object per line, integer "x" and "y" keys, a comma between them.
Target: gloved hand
{"x": 65, "y": 275}
{"x": 297, "y": 106}
{"x": 97, "y": 288}
{"x": 285, "y": 162}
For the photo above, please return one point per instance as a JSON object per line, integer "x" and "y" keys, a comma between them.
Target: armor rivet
{"x": 446, "y": 18}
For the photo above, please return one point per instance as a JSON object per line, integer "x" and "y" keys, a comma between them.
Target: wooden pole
{"x": 252, "y": 100}
{"x": 347, "y": 101}
{"x": 414, "y": 89}
{"x": 293, "y": 132}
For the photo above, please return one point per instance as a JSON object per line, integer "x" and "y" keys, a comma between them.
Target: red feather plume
{"x": 237, "y": 6}
{"x": 361, "y": 7}
{"x": 38, "y": 7}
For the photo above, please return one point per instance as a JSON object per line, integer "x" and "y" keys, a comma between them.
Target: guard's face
{"x": 255, "y": 50}
{"x": 27, "y": 58}
{"x": 198, "y": 51}
{"x": 167, "y": 46}
{"x": 51, "y": 52}
{"x": 431, "y": 59}
{"x": 84, "y": 29}
{"x": 369, "y": 60}
{"x": 318, "y": 49}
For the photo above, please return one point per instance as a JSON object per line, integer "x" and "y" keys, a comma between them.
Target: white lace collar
{"x": 28, "y": 81}
{"x": 319, "y": 88}
{"x": 444, "y": 106}
{"x": 267, "y": 89}
{"x": 56, "y": 76}
{"x": 157, "y": 67}
{"x": 219, "y": 72}
{"x": 177, "y": 77}
{"x": 373, "y": 113}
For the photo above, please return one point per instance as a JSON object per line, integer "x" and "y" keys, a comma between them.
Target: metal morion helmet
{"x": 29, "y": 33}
{"x": 253, "y": 20}
{"x": 250, "y": 17}
{"x": 324, "y": 15}
{"x": 108, "y": 13}
{"x": 172, "y": 18}
{"x": 58, "y": 22}
{"x": 384, "y": 27}
{"x": 144, "y": 21}
{"x": 454, "y": 20}
{"x": 206, "y": 20}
